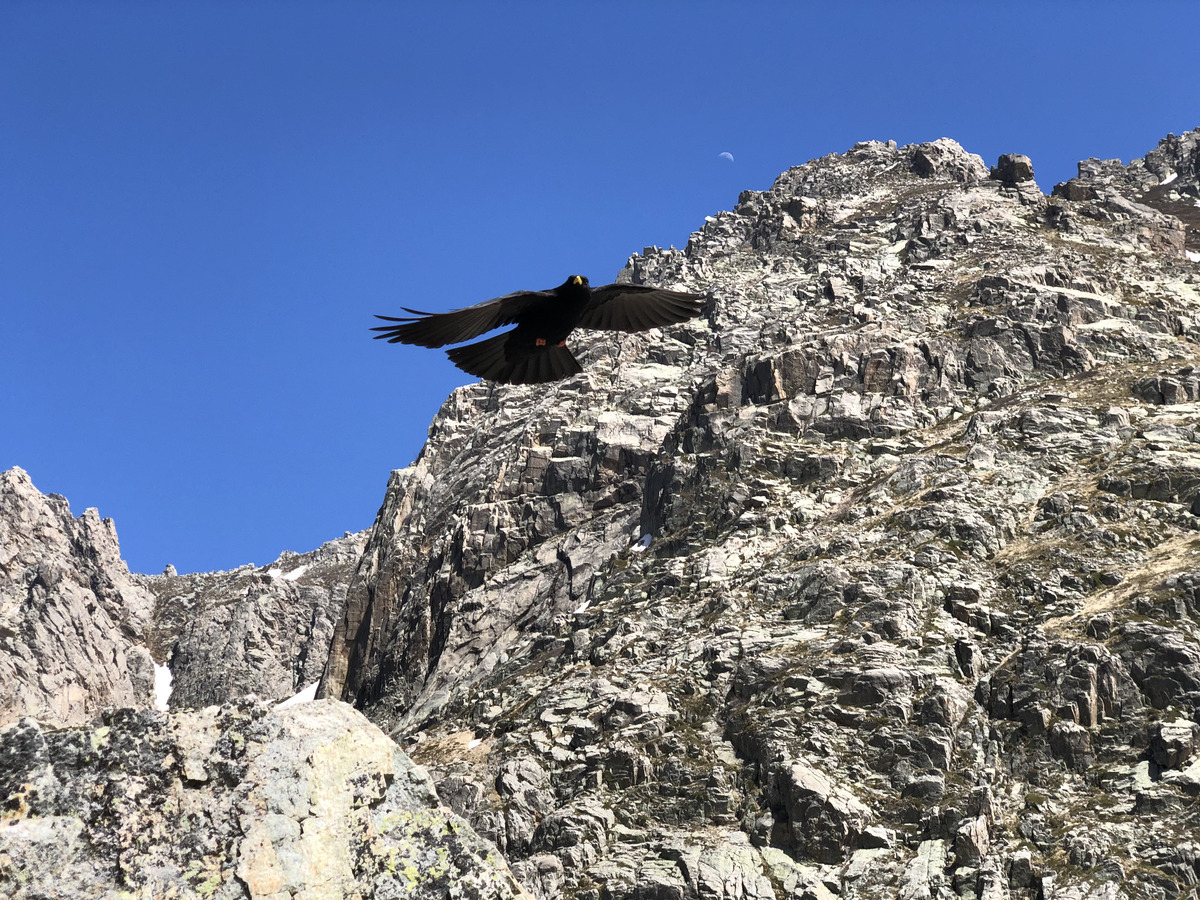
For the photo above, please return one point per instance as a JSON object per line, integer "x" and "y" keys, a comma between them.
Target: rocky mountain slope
{"x": 878, "y": 581}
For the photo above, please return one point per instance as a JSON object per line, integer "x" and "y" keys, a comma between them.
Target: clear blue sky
{"x": 202, "y": 204}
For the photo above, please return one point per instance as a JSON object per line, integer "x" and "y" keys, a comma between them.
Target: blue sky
{"x": 202, "y": 204}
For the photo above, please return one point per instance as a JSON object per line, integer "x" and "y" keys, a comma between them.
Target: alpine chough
{"x": 535, "y": 351}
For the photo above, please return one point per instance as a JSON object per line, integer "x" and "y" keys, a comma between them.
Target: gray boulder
{"x": 231, "y": 802}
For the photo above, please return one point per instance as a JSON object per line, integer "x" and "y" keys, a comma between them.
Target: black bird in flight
{"x": 536, "y": 351}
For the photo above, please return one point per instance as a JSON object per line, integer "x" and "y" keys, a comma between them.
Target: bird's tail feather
{"x": 508, "y": 360}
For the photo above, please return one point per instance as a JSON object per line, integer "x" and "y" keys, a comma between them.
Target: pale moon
{"x": 726, "y": 155}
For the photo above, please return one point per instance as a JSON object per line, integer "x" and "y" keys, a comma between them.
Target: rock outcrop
{"x": 238, "y": 801}
{"x": 878, "y": 581}
{"x": 1163, "y": 182}
{"x": 73, "y": 621}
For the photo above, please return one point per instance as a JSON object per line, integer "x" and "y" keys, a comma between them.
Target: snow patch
{"x": 583, "y": 606}
{"x": 305, "y": 696}
{"x": 475, "y": 742}
{"x": 642, "y": 545}
{"x": 276, "y": 572}
{"x": 1192, "y": 255}
{"x": 1169, "y": 179}
{"x": 162, "y": 686}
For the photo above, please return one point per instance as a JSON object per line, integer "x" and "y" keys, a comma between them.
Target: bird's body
{"x": 535, "y": 351}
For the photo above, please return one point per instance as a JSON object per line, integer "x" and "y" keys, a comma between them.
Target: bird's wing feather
{"x": 505, "y": 358}
{"x": 439, "y": 329}
{"x": 636, "y": 307}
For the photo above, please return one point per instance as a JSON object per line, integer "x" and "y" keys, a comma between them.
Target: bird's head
{"x": 578, "y": 281}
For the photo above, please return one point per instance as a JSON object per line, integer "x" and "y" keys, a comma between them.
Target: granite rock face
{"x": 238, "y": 801}
{"x": 879, "y": 580}
{"x": 73, "y": 621}
{"x": 261, "y": 630}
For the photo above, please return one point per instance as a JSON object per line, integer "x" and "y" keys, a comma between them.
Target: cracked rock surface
{"x": 73, "y": 621}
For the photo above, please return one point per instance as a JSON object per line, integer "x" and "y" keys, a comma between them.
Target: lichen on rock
{"x": 236, "y": 801}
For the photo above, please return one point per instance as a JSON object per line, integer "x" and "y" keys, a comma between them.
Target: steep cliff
{"x": 878, "y": 581}
{"x": 73, "y": 621}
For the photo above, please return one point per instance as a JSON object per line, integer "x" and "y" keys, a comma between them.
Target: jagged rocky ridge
{"x": 261, "y": 630}
{"x": 917, "y": 617}
{"x": 231, "y": 801}
{"x": 79, "y": 632}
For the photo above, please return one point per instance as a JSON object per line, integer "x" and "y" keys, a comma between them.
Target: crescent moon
{"x": 726, "y": 155}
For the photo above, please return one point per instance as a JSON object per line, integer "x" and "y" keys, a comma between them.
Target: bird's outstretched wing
{"x": 439, "y": 329}
{"x": 636, "y": 307}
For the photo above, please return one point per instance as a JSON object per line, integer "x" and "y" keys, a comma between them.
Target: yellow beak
{"x": 576, "y": 279}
